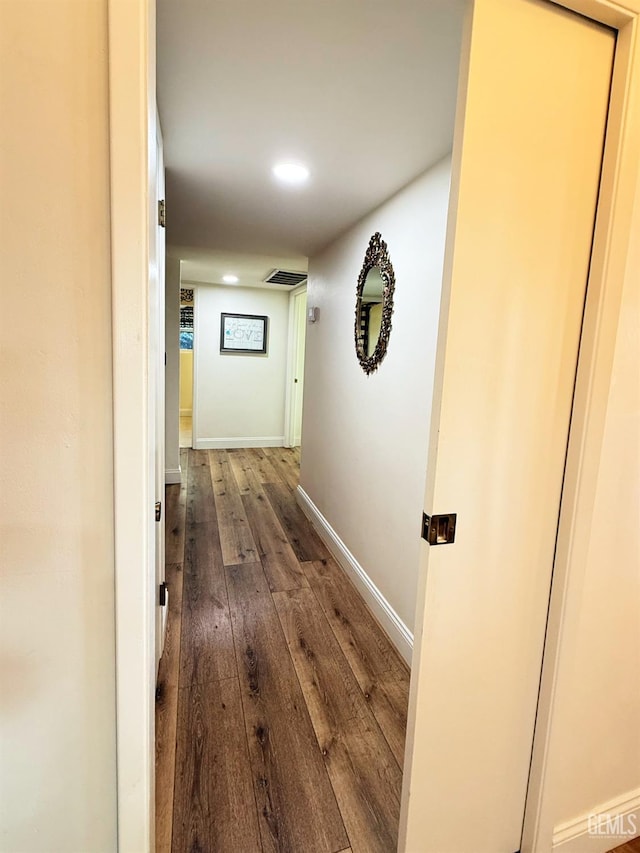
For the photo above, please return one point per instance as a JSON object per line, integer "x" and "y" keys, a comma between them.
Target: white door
{"x": 300, "y": 321}
{"x": 527, "y": 163}
{"x": 157, "y": 385}
{"x": 295, "y": 367}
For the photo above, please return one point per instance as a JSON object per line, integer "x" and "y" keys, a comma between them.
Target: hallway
{"x": 281, "y": 706}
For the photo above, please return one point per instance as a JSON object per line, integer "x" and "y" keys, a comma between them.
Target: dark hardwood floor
{"x": 632, "y": 846}
{"x": 281, "y": 705}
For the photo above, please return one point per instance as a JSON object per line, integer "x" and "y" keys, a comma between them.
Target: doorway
{"x": 295, "y": 366}
{"x": 133, "y": 810}
{"x": 187, "y": 304}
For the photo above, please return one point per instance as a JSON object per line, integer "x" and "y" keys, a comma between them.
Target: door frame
{"x": 132, "y": 97}
{"x": 292, "y": 346}
{"x": 132, "y": 118}
{"x": 194, "y": 362}
{"x": 158, "y": 261}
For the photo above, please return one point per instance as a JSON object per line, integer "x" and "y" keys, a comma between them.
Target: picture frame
{"x": 243, "y": 333}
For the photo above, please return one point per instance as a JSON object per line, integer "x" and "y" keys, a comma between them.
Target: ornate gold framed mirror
{"x": 374, "y": 304}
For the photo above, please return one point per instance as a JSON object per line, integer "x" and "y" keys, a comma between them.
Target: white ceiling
{"x": 362, "y": 91}
{"x": 208, "y": 266}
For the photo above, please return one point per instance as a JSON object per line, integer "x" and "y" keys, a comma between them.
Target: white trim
{"x": 172, "y": 475}
{"x": 398, "y": 633}
{"x": 131, "y": 115}
{"x": 574, "y": 835}
{"x": 157, "y": 360}
{"x": 164, "y": 614}
{"x": 299, "y": 288}
{"x": 234, "y": 443}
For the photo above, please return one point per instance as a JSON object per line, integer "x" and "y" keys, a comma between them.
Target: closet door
{"x": 527, "y": 162}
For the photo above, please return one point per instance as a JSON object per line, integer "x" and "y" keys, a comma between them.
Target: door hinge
{"x": 158, "y": 510}
{"x": 162, "y": 595}
{"x": 439, "y": 529}
{"x": 162, "y": 214}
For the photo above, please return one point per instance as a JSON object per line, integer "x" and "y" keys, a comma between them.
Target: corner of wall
{"x": 394, "y": 627}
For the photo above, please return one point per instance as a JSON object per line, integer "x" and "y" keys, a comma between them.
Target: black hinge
{"x": 439, "y": 529}
{"x": 162, "y": 214}
{"x": 162, "y": 595}
{"x": 158, "y": 510}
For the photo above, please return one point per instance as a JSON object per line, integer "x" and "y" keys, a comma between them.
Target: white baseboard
{"x": 398, "y": 633}
{"x": 172, "y": 475}
{"x": 606, "y": 826}
{"x": 233, "y": 443}
{"x": 186, "y": 413}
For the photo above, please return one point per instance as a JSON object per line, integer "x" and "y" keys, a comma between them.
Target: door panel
{"x": 300, "y": 320}
{"x": 524, "y": 194}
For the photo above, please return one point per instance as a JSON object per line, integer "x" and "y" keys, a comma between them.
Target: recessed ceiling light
{"x": 291, "y": 173}
{"x": 230, "y": 279}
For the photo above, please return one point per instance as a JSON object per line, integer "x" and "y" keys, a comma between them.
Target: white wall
{"x": 172, "y": 347}
{"x": 239, "y": 397}
{"x": 57, "y": 754}
{"x": 364, "y": 438}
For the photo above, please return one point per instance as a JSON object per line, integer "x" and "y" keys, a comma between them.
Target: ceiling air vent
{"x": 286, "y": 277}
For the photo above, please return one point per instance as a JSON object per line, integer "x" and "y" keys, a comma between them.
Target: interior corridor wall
{"x": 57, "y": 667}
{"x": 239, "y": 397}
{"x": 364, "y": 438}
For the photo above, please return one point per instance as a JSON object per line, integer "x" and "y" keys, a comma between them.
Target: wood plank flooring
{"x": 632, "y": 846}
{"x": 281, "y": 705}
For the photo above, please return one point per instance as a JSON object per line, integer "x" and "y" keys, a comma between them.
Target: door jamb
{"x": 194, "y": 363}
{"x": 158, "y": 257}
{"x": 132, "y": 106}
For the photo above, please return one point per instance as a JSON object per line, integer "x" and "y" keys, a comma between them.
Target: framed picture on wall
{"x": 243, "y": 333}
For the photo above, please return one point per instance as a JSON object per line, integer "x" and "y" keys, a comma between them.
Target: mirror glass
{"x": 374, "y": 305}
